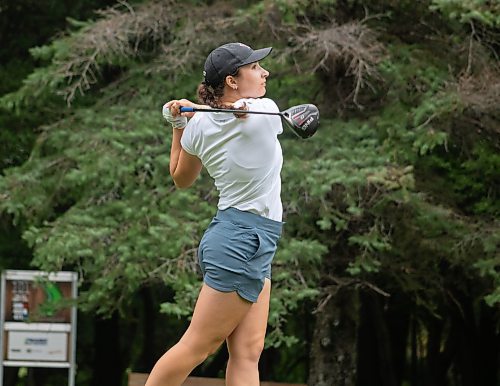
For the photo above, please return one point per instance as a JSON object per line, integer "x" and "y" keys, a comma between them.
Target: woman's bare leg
{"x": 246, "y": 342}
{"x": 215, "y": 316}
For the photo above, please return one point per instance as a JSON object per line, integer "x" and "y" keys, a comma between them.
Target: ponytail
{"x": 208, "y": 95}
{"x": 212, "y": 96}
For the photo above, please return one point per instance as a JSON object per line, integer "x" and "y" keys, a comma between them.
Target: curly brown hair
{"x": 211, "y": 96}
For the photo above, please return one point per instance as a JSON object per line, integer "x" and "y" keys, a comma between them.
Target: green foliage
{"x": 483, "y": 11}
{"x": 112, "y": 187}
{"x": 288, "y": 90}
{"x": 386, "y": 195}
{"x": 417, "y": 121}
{"x": 76, "y": 60}
{"x": 295, "y": 11}
{"x": 469, "y": 182}
{"x": 489, "y": 266}
{"x": 15, "y": 140}
{"x": 371, "y": 244}
{"x": 295, "y": 274}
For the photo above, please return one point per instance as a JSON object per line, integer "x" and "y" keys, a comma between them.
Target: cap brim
{"x": 257, "y": 55}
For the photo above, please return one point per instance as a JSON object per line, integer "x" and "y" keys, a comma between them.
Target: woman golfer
{"x": 243, "y": 156}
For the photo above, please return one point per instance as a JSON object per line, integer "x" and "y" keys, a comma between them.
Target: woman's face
{"x": 251, "y": 81}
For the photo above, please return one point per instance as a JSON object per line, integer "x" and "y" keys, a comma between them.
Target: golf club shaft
{"x": 194, "y": 109}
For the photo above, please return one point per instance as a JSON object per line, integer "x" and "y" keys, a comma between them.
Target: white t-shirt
{"x": 242, "y": 155}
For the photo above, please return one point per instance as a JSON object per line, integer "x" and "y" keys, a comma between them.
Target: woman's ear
{"x": 231, "y": 82}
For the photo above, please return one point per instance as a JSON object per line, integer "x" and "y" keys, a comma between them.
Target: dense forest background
{"x": 388, "y": 272}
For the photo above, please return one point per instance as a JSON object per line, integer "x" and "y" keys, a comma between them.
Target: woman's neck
{"x": 230, "y": 96}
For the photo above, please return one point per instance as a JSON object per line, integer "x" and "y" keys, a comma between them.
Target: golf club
{"x": 302, "y": 119}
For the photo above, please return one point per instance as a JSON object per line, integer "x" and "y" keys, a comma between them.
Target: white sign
{"x": 39, "y": 346}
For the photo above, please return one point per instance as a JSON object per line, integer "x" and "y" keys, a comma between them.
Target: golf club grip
{"x": 188, "y": 109}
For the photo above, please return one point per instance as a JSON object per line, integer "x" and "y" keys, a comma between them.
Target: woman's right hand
{"x": 175, "y": 105}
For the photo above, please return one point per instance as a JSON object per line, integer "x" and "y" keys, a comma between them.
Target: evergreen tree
{"x": 391, "y": 209}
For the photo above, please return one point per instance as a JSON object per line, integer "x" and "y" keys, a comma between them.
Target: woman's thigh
{"x": 247, "y": 339}
{"x": 215, "y": 316}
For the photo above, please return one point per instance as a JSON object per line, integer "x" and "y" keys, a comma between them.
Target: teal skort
{"x": 236, "y": 252}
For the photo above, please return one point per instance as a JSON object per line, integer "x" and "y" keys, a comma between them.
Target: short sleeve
{"x": 272, "y": 107}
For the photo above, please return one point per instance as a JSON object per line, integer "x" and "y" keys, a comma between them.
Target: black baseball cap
{"x": 226, "y": 59}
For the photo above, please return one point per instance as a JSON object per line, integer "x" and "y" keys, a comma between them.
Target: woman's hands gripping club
{"x": 172, "y": 112}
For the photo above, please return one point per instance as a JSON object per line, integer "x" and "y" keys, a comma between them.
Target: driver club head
{"x": 302, "y": 119}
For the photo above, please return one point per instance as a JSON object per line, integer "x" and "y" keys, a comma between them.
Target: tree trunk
{"x": 385, "y": 356}
{"x": 376, "y": 365}
{"x": 148, "y": 319}
{"x": 333, "y": 349}
{"x": 10, "y": 376}
{"x": 398, "y": 323}
{"x": 108, "y": 369}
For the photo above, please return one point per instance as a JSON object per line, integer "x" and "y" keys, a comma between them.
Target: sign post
{"x": 38, "y": 320}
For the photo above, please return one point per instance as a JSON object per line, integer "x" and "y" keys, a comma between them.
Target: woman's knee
{"x": 214, "y": 346}
{"x": 248, "y": 350}
{"x": 202, "y": 347}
